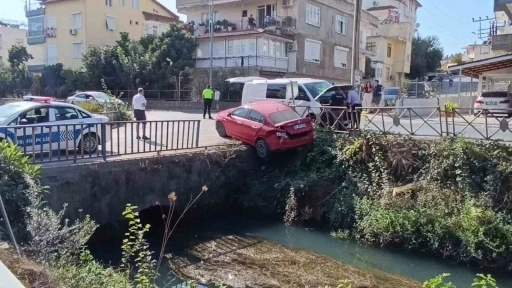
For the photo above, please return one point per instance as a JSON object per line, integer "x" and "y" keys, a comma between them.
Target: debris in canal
{"x": 252, "y": 262}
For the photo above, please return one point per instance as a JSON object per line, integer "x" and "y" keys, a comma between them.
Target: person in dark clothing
{"x": 377, "y": 94}
{"x": 338, "y": 99}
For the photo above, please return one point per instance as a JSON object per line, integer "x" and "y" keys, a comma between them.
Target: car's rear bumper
{"x": 287, "y": 143}
{"x": 494, "y": 109}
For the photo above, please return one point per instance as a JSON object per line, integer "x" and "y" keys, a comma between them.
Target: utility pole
{"x": 356, "y": 75}
{"x": 480, "y": 20}
{"x": 210, "y": 29}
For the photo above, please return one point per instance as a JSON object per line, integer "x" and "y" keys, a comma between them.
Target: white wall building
{"x": 10, "y": 36}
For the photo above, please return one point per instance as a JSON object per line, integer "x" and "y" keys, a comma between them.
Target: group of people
{"x": 372, "y": 95}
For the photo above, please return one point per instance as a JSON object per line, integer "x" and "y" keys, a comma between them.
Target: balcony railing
{"x": 33, "y": 8}
{"x": 502, "y": 43}
{"x": 269, "y": 62}
{"x": 285, "y": 24}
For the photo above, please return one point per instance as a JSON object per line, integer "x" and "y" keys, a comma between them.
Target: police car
{"x": 24, "y": 123}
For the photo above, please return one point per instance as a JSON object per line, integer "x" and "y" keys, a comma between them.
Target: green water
{"x": 405, "y": 263}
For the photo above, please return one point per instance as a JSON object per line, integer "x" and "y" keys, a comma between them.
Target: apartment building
{"x": 15, "y": 34}
{"x": 278, "y": 38}
{"x": 475, "y": 52}
{"x": 67, "y": 28}
{"x": 392, "y": 42}
{"x": 502, "y": 35}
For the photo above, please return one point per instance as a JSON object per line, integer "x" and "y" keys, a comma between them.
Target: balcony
{"x": 285, "y": 26}
{"x": 503, "y": 5}
{"x": 502, "y": 43}
{"x": 399, "y": 31}
{"x": 33, "y": 8}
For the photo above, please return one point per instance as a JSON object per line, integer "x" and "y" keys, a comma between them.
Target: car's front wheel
{"x": 262, "y": 148}
{"x": 89, "y": 143}
{"x": 221, "y": 129}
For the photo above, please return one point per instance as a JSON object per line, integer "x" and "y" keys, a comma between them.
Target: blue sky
{"x": 450, "y": 20}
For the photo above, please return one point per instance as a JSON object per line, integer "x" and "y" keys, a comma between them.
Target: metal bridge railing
{"x": 64, "y": 142}
{"x": 431, "y": 121}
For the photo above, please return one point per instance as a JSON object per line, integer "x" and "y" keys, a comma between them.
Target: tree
{"x": 18, "y": 56}
{"x": 456, "y": 58}
{"x": 51, "y": 77}
{"x": 426, "y": 56}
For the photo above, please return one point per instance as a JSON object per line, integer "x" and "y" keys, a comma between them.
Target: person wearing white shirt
{"x": 216, "y": 97}
{"x": 139, "y": 111}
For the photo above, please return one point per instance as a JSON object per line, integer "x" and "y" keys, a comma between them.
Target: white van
{"x": 299, "y": 92}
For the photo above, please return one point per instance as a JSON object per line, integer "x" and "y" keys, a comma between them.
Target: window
{"x": 51, "y": 55}
{"x": 135, "y": 4}
{"x": 312, "y": 51}
{"x": 263, "y": 48}
{"x": 120, "y": 2}
{"x": 244, "y": 13}
{"x": 302, "y": 96}
{"x": 240, "y": 112}
{"x": 341, "y": 24}
{"x": 371, "y": 46}
{"x": 340, "y": 57}
{"x": 51, "y": 22}
{"x": 378, "y": 72}
{"x": 256, "y": 117}
{"x": 312, "y": 15}
{"x": 111, "y": 23}
{"x": 77, "y": 20}
{"x": 388, "y": 74}
{"x": 108, "y": 3}
{"x": 65, "y": 113}
{"x": 155, "y": 30}
{"x": 77, "y": 50}
{"x": 80, "y": 96}
{"x": 284, "y": 116}
{"x": 35, "y": 26}
{"x": 276, "y": 91}
{"x": 206, "y": 16}
{"x": 36, "y": 116}
{"x": 389, "y": 50}
{"x": 279, "y": 47}
{"x": 83, "y": 114}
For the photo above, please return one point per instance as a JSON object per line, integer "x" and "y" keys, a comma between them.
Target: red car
{"x": 267, "y": 126}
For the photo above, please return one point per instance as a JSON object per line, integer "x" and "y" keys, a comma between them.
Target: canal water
{"x": 405, "y": 263}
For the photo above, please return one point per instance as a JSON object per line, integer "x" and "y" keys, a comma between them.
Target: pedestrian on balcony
{"x": 139, "y": 112}
{"x": 367, "y": 95}
{"x": 251, "y": 21}
{"x": 207, "y": 100}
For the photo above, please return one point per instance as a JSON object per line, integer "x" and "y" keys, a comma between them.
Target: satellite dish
{"x": 417, "y": 25}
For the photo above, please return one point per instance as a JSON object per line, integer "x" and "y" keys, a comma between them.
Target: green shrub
{"x": 15, "y": 169}
{"x": 92, "y": 107}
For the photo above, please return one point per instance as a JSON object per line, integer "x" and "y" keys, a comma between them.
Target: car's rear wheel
{"x": 89, "y": 143}
{"x": 262, "y": 148}
{"x": 221, "y": 129}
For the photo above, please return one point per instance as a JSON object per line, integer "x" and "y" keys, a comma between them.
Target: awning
{"x": 494, "y": 65}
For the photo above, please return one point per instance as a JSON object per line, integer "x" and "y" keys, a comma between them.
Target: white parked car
{"x": 494, "y": 102}
{"x": 23, "y": 123}
{"x": 92, "y": 96}
{"x": 298, "y": 92}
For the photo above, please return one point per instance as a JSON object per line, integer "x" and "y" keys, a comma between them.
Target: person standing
{"x": 354, "y": 102}
{"x": 207, "y": 100}
{"x": 217, "y": 99}
{"x": 377, "y": 94}
{"x": 139, "y": 112}
{"x": 367, "y": 95}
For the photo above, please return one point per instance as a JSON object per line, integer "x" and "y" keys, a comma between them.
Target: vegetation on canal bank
{"x": 372, "y": 188}
{"x": 450, "y": 197}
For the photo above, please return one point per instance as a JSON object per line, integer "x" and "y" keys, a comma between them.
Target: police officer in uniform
{"x": 207, "y": 100}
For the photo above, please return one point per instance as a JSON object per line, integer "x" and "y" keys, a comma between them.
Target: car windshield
{"x": 390, "y": 91}
{"x": 495, "y": 94}
{"x": 316, "y": 88}
{"x": 8, "y": 110}
{"x": 283, "y": 116}
{"x": 100, "y": 95}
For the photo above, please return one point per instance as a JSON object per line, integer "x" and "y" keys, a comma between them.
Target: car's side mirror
{"x": 23, "y": 122}
{"x": 229, "y": 115}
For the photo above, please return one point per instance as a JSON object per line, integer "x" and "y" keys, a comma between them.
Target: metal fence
{"x": 171, "y": 95}
{"x": 434, "y": 121}
{"x": 71, "y": 142}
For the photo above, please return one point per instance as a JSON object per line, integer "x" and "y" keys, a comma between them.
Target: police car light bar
{"x": 38, "y": 99}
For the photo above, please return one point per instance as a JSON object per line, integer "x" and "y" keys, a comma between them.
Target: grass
{"x": 28, "y": 272}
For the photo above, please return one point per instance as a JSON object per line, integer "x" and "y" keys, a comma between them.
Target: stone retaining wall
{"x": 102, "y": 190}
